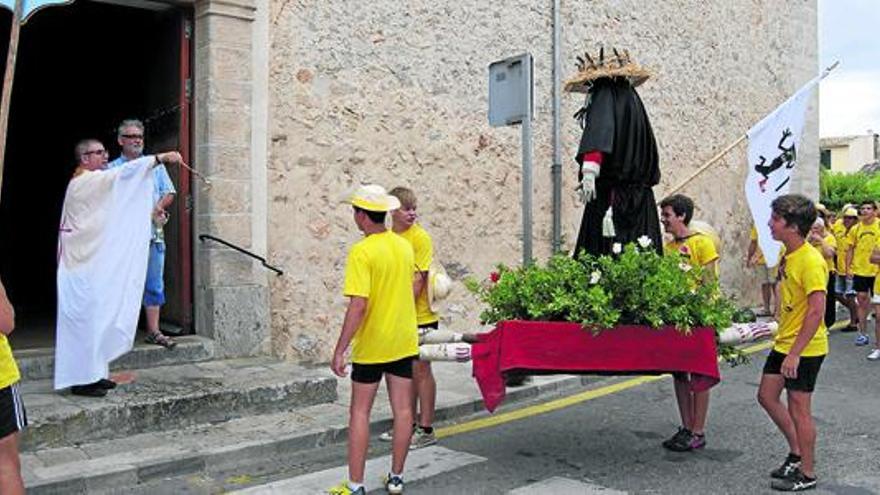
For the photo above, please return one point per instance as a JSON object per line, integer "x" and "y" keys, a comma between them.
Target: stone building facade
{"x": 296, "y": 102}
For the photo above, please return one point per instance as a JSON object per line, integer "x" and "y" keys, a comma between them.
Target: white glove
{"x": 587, "y": 188}
{"x": 608, "y": 224}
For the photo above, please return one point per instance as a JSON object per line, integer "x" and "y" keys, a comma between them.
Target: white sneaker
{"x": 875, "y": 355}
{"x": 386, "y": 436}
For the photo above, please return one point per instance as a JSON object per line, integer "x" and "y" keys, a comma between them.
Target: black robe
{"x": 617, "y": 125}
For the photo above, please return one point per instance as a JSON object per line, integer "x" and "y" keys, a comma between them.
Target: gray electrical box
{"x": 510, "y": 90}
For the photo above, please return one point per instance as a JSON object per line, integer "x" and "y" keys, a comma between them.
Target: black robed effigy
{"x": 615, "y": 123}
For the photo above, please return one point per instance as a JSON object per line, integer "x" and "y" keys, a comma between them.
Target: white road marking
{"x": 420, "y": 464}
{"x": 563, "y": 486}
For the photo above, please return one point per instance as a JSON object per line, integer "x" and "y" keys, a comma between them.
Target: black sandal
{"x": 158, "y": 338}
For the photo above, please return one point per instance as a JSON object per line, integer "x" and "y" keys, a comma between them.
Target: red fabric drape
{"x": 566, "y": 348}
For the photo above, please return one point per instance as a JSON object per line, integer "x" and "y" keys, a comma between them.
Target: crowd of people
{"x": 386, "y": 272}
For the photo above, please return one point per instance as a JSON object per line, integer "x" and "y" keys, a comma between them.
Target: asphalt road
{"x": 612, "y": 443}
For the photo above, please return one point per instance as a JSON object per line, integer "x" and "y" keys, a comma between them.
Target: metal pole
{"x": 556, "y": 169}
{"x": 527, "y": 169}
{"x": 6, "y": 98}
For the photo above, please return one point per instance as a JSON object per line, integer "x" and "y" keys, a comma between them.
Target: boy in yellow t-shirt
{"x": 697, "y": 249}
{"x": 754, "y": 257}
{"x": 800, "y": 344}
{"x": 380, "y": 323}
{"x": 843, "y": 289}
{"x": 403, "y": 223}
{"x": 825, "y": 243}
{"x": 12, "y": 415}
{"x": 861, "y": 240}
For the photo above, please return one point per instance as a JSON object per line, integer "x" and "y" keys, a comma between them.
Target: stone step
{"x": 239, "y": 452}
{"x": 172, "y": 397}
{"x": 39, "y": 364}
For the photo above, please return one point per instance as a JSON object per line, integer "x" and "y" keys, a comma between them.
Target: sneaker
{"x": 393, "y": 484}
{"x": 875, "y": 355}
{"x": 421, "y": 438}
{"x": 789, "y": 467}
{"x": 697, "y": 442}
{"x": 680, "y": 441}
{"x": 388, "y": 435}
{"x": 343, "y": 489}
{"x": 861, "y": 340}
{"x": 796, "y": 482}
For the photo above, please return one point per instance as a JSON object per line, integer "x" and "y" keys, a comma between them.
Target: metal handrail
{"x": 242, "y": 250}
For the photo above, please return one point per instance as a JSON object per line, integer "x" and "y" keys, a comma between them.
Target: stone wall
{"x": 395, "y": 92}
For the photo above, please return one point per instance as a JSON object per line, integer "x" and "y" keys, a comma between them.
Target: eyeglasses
{"x": 133, "y": 136}
{"x": 95, "y": 152}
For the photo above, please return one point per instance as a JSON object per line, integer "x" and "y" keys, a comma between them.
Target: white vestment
{"x": 103, "y": 248}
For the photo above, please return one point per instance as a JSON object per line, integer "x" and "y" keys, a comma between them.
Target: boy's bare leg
{"x": 766, "y": 293}
{"x": 877, "y": 326}
{"x": 769, "y": 392}
{"x": 802, "y": 417}
{"x": 400, "y": 394}
{"x": 10, "y": 466}
{"x": 426, "y": 392}
{"x": 685, "y": 399}
{"x": 701, "y": 411}
{"x": 362, "y": 396}
{"x": 863, "y": 302}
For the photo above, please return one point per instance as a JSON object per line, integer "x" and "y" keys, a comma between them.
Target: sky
{"x": 849, "y": 98}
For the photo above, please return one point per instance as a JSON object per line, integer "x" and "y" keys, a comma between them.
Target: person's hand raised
{"x": 171, "y": 157}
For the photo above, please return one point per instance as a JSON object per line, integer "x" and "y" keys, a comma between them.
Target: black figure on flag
{"x": 787, "y": 159}
{"x": 617, "y": 155}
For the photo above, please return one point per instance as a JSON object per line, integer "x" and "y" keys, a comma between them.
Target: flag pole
{"x": 8, "y": 77}
{"x": 732, "y": 145}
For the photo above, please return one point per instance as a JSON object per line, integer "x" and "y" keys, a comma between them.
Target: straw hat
{"x": 439, "y": 285}
{"x": 372, "y": 197}
{"x": 591, "y": 68}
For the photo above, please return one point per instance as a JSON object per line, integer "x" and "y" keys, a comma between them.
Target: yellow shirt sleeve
{"x": 424, "y": 251}
{"x": 357, "y": 274}
{"x": 703, "y": 250}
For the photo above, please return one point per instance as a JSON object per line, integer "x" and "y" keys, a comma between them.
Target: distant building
{"x": 849, "y": 153}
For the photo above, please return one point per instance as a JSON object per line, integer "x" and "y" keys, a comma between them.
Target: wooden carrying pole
{"x": 706, "y": 165}
{"x": 8, "y": 77}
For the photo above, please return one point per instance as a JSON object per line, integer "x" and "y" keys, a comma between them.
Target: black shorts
{"x": 863, "y": 284}
{"x": 372, "y": 373}
{"x": 12, "y": 415}
{"x": 807, "y": 371}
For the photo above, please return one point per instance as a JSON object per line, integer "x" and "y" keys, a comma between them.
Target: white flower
{"x": 616, "y": 248}
{"x": 644, "y": 241}
{"x": 685, "y": 267}
{"x": 595, "y": 276}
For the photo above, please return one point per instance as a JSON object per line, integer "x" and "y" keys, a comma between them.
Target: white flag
{"x": 774, "y": 145}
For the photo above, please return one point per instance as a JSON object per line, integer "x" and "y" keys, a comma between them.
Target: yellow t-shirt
{"x": 423, "y": 250}
{"x": 753, "y": 236}
{"x": 380, "y": 268}
{"x": 829, "y": 260}
{"x": 803, "y": 271}
{"x": 697, "y": 248}
{"x": 864, "y": 237}
{"x": 839, "y": 231}
{"x": 8, "y": 369}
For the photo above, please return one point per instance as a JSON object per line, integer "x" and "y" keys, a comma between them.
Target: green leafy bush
{"x": 637, "y": 287}
{"x": 837, "y": 189}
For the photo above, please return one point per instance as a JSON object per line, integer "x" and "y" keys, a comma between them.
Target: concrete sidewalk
{"x": 249, "y": 447}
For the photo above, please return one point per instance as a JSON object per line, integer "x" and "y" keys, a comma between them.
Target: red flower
{"x": 494, "y": 277}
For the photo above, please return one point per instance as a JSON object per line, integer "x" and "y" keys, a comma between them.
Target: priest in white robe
{"x": 103, "y": 247}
